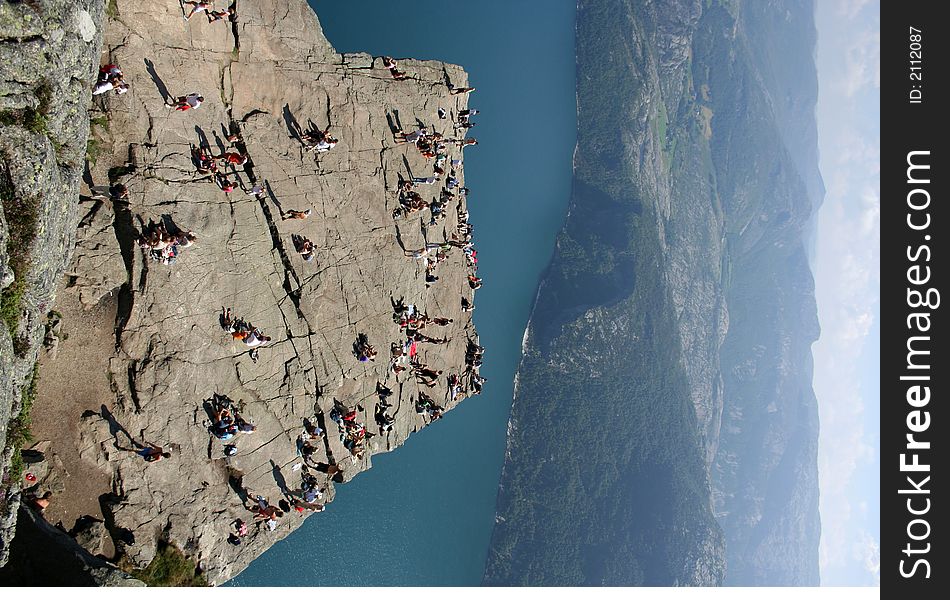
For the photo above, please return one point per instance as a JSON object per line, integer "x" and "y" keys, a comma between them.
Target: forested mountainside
{"x": 664, "y": 431}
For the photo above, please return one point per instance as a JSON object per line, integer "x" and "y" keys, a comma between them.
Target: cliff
{"x": 140, "y": 348}
{"x": 48, "y": 55}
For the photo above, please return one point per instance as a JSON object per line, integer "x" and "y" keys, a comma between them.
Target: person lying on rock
{"x": 192, "y": 100}
{"x": 232, "y": 158}
{"x": 296, "y": 214}
{"x": 318, "y": 141}
{"x": 455, "y": 91}
{"x": 219, "y": 15}
{"x": 198, "y": 6}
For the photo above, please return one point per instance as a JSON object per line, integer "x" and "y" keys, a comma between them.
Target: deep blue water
{"x": 423, "y": 515}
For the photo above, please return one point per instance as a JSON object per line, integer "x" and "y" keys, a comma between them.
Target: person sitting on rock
{"x": 110, "y": 78}
{"x": 223, "y": 426}
{"x": 118, "y": 87}
{"x": 310, "y": 488}
{"x": 384, "y": 420}
{"x": 255, "y": 338}
{"x": 203, "y": 160}
{"x": 296, "y": 214}
{"x": 240, "y": 527}
{"x": 319, "y": 141}
{"x": 391, "y": 64}
{"x": 198, "y": 6}
{"x": 257, "y": 191}
{"x": 186, "y": 239}
{"x": 304, "y": 247}
{"x": 266, "y": 513}
{"x": 363, "y": 350}
{"x": 474, "y": 282}
{"x": 243, "y": 426}
{"x": 192, "y": 100}
{"x": 242, "y": 330}
{"x": 40, "y": 503}
{"x": 226, "y": 185}
{"x": 412, "y": 137}
{"x": 152, "y": 453}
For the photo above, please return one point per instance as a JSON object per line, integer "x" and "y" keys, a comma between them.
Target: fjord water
{"x": 423, "y": 515}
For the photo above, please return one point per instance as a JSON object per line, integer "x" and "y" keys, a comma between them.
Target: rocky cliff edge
{"x": 140, "y": 347}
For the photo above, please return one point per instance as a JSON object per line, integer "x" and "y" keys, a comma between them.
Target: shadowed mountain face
{"x": 664, "y": 429}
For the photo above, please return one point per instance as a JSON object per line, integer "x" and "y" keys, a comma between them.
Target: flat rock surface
{"x": 264, "y": 77}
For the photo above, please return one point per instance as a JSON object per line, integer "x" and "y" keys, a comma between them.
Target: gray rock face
{"x": 266, "y": 77}
{"x": 48, "y": 56}
{"x": 45, "y": 555}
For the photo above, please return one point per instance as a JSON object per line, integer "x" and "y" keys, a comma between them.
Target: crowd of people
{"x": 163, "y": 243}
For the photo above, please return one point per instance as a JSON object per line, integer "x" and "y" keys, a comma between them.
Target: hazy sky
{"x": 847, "y": 274}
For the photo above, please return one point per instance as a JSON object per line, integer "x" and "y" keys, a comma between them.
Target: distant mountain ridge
{"x": 664, "y": 429}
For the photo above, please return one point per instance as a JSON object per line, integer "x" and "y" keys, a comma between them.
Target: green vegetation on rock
{"x": 170, "y": 568}
{"x": 21, "y": 220}
{"x": 18, "y": 430}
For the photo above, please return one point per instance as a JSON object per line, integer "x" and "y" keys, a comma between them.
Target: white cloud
{"x": 847, "y": 276}
{"x": 869, "y": 550}
{"x": 863, "y": 64}
{"x": 850, "y": 8}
